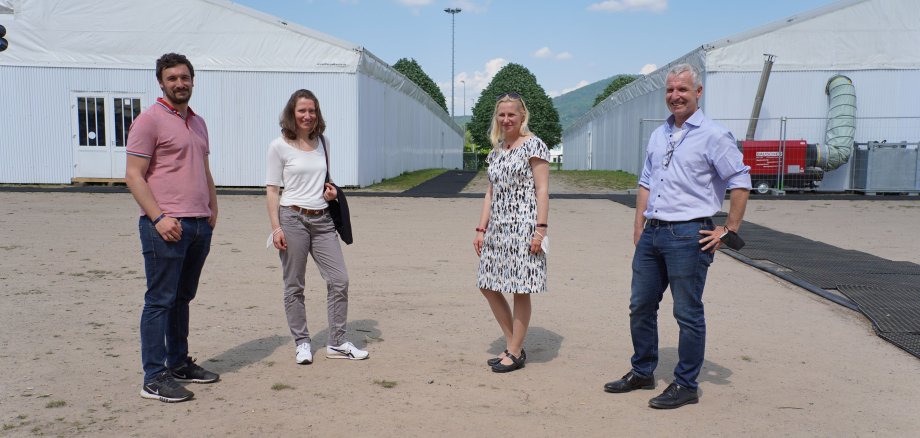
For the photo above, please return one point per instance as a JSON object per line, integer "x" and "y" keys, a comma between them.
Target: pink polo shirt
{"x": 178, "y": 151}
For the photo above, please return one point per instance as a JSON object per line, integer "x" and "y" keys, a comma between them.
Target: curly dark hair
{"x": 171, "y": 60}
{"x": 289, "y": 125}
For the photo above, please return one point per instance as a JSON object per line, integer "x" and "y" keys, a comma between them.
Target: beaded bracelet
{"x": 480, "y": 230}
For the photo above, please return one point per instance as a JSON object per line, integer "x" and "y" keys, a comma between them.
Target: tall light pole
{"x": 464, "y": 97}
{"x": 453, "y": 12}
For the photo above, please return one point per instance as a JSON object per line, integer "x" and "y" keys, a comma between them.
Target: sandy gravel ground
{"x": 780, "y": 361}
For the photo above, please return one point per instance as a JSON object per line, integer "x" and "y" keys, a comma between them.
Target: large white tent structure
{"x": 873, "y": 42}
{"x": 77, "y": 71}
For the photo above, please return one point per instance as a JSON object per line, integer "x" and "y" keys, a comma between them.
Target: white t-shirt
{"x": 301, "y": 173}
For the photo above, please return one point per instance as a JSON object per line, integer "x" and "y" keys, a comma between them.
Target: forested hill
{"x": 575, "y": 104}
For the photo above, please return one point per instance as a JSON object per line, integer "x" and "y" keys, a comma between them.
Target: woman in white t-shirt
{"x": 301, "y": 224}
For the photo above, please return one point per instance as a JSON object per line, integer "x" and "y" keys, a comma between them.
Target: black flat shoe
{"x": 516, "y": 364}
{"x": 496, "y": 360}
{"x": 631, "y": 381}
{"x": 674, "y": 396}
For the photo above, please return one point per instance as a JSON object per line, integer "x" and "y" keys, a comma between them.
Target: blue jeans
{"x": 173, "y": 270}
{"x": 670, "y": 255}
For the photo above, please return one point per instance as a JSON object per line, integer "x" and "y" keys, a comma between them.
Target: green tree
{"x": 620, "y": 82}
{"x": 515, "y": 78}
{"x": 410, "y": 69}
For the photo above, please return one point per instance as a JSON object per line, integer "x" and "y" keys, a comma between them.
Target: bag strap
{"x": 326, "y": 154}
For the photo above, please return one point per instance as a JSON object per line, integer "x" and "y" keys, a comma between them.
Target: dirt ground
{"x": 780, "y": 361}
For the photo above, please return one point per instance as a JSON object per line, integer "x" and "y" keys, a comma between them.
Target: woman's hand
{"x": 536, "y": 240}
{"x": 330, "y": 193}
{"x": 279, "y": 241}
{"x": 477, "y": 242}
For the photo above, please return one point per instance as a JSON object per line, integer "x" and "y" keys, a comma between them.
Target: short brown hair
{"x": 171, "y": 60}
{"x": 289, "y": 125}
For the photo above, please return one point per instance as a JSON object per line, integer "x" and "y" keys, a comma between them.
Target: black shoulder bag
{"x": 338, "y": 207}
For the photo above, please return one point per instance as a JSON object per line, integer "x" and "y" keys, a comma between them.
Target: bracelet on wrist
{"x": 159, "y": 218}
{"x": 276, "y": 231}
{"x": 480, "y": 230}
{"x": 541, "y": 226}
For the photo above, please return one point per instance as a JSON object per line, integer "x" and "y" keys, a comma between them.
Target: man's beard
{"x": 176, "y": 100}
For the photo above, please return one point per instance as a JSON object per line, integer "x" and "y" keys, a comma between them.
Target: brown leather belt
{"x": 307, "y": 211}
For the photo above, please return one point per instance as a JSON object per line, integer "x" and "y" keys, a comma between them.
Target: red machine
{"x": 789, "y": 165}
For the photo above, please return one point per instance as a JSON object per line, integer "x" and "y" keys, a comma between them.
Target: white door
{"x": 100, "y": 132}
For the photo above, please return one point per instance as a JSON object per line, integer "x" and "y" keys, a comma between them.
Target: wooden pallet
{"x": 93, "y": 181}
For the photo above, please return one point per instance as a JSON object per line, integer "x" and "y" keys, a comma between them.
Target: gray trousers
{"x": 316, "y": 236}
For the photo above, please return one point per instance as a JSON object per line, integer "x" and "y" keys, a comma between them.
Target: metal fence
{"x": 789, "y": 154}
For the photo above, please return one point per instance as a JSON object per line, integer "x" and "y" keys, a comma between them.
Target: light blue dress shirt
{"x": 691, "y": 183}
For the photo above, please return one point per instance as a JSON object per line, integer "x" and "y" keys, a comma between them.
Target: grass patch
{"x": 405, "y": 181}
{"x": 281, "y": 386}
{"x": 598, "y": 179}
{"x": 385, "y": 383}
{"x": 56, "y": 404}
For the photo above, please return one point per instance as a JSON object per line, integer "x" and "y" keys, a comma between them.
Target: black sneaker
{"x": 165, "y": 389}
{"x": 191, "y": 372}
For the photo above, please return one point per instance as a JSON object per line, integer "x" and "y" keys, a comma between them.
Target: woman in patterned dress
{"x": 512, "y": 226}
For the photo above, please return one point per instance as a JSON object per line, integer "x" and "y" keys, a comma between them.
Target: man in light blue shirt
{"x": 689, "y": 164}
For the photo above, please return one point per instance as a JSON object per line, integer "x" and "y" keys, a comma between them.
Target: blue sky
{"x": 564, "y": 43}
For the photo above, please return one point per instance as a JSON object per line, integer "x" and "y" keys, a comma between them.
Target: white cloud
{"x": 629, "y": 5}
{"x": 476, "y": 7}
{"x": 475, "y": 83}
{"x": 580, "y": 84}
{"x": 647, "y": 68}
{"x": 546, "y": 52}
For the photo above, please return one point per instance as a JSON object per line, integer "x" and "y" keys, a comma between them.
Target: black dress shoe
{"x": 674, "y": 396}
{"x": 629, "y": 382}
{"x": 495, "y": 360}
{"x": 516, "y": 364}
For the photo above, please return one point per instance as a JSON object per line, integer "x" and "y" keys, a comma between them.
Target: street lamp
{"x": 452, "y": 12}
{"x": 464, "y": 97}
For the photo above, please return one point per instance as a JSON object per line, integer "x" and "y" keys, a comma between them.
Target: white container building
{"x": 77, "y": 71}
{"x": 873, "y": 42}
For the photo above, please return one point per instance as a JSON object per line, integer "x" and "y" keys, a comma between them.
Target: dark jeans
{"x": 173, "y": 269}
{"x": 670, "y": 255}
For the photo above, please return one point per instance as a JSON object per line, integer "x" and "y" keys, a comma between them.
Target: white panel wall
{"x": 378, "y": 136}
{"x": 36, "y": 144}
{"x": 400, "y": 134}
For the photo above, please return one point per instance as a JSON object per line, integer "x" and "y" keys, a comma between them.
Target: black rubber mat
{"x": 886, "y": 291}
{"x": 909, "y": 342}
{"x": 891, "y": 309}
{"x": 447, "y": 183}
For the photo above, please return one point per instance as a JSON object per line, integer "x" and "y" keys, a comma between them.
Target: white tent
{"x": 873, "y": 42}
{"x": 83, "y": 68}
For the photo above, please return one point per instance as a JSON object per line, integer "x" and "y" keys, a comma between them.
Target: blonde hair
{"x": 495, "y": 134}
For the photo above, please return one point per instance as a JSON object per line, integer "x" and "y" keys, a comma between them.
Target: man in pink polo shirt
{"x": 168, "y": 174}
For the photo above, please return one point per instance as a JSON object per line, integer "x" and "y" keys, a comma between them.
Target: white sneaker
{"x": 345, "y": 351}
{"x": 304, "y": 355}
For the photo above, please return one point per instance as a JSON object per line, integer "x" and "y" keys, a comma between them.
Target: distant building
{"x": 873, "y": 42}
{"x": 77, "y": 72}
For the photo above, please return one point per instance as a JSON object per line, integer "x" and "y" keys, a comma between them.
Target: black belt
{"x": 661, "y": 223}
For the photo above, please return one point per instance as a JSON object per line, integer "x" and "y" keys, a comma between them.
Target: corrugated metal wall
{"x": 397, "y": 133}
{"x": 611, "y": 136}
{"x": 615, "y": 135}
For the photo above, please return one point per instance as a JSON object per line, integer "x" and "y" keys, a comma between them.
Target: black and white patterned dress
{"x": 506, "y": 264}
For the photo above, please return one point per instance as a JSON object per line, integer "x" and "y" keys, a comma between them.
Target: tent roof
{"x": 846, "y": 35}
{"x": 215, "y": 34}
